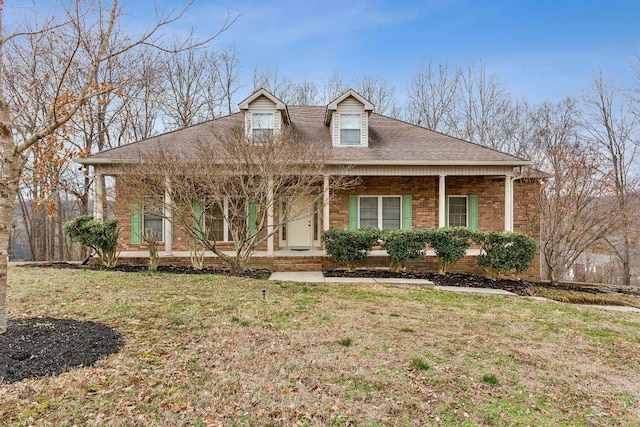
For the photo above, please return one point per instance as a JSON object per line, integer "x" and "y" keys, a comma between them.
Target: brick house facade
{"x": 409, "y": 177}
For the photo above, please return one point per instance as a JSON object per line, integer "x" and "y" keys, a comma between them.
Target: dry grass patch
{"x": 576, "y": 297}
{"x": 208, "y": 350}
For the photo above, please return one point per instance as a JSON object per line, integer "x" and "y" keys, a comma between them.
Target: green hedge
{"x": 450, "y": 245}
{"x": 504, "y": 252}
{"x": 501, "y": 252}
{"x": 349, "y": 246}
{"x": 403, "y": 246}
{"x": 100, "y": 235}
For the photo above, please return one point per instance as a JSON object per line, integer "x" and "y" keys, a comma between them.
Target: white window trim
{"x": 225, "y": 227}
{"x": 340, "y": 143}
{"x": 380, "y": 197}
{"x": 162, "y": 218}
{"x": 466, "y": 198}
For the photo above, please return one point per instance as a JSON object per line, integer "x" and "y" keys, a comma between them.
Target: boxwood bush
{"x": 403, "y": 246}
{"x": 350, "y": 246}
{"x": 450, "y": 245}
{"x": 504, "y": 252}
{"x": 99, "y": 235}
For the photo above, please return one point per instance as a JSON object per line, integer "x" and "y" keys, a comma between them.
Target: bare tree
{"x": 432, "y": 97}
{"x": 79, "y": 21}
{"x": 613, "y": 129}
{"x": 304, "y": 93}
{"x": 226, "y": 73}
{"x": 334, "y": 87}
{"x": 380, "y": 93}
{"x": 574, "y": 212}
{"x": 230, "y": 178}
{"x": 482, "y": 109}
{"x": 274, "y": 82}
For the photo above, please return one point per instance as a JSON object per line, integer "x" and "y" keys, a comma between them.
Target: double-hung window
{"x": 383, "y": 212}
{"x": 262, "y": 125}
{"x": 214, "y": 223}
{"x": 458, "y": 211}
{"x": 350, "y": 128}
{"x": 152, "y": 217}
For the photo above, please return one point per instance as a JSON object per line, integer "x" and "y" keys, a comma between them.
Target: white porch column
{"x": 270, "y": 244}
{"x": 325, "y": 203}
{"x": 508, "y": 203}
{"x": 442, "y": 212}
{"x": 99, "y": 194}
{"x": 167, "y": 213}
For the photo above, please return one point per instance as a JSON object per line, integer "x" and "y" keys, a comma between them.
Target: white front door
{"x": 300, "y": 229}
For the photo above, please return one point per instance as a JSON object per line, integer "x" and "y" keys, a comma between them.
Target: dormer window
{"x": 350, "y": 128}
{"x": 263, "y": 125}
{"x": 348, "y": 119}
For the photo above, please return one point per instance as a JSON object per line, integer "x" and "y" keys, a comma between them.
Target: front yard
{"x": 208, "y": 350}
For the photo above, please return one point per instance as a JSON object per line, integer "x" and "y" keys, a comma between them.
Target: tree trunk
{"x": 8, "y": 192}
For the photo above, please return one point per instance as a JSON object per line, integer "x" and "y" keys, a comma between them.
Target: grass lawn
{"x": 208, "y": 350}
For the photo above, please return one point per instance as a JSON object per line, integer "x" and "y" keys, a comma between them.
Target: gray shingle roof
{"x": 391, "y": 141}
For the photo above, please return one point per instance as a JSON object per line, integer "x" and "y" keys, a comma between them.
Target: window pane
{"x": 349, "y": 121}
{"x": 391, "y": 213}
{"x": 457, "y": 211}
{"x": 262, "y": 134}
{"x": 369, "y": 212}
{"x": 349, "y": 136}
{"x": 262, "y": 121}
{"x": 153, "y": 219}
{"x": 214, "y": 223}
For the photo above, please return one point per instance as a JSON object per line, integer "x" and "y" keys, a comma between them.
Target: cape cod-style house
{"x": 409, "y": 177}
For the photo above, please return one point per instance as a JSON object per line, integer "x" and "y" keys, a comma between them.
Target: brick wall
{"x": 424, "y": 191}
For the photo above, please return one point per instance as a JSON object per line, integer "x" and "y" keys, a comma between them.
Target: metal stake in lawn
{"x": 264, "y": 293}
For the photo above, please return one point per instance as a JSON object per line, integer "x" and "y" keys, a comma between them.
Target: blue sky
{"x": 539, "y": 49}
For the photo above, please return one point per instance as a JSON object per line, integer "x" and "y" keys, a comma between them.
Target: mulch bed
{"x": 519, "y": 287}
{"x": 40, "y": 347}
{"x": 258, "y": 273}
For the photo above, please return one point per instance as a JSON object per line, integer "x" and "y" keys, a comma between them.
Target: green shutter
{"x": 253, "y": 215}
{"x": 407, "y": 207}
{"x": 197, "y": 217}
{"x": 353, "y": 212}
{"x": 136, "y": 224}
{"x": 473, "y": 213}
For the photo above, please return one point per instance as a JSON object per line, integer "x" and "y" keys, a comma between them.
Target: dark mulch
{"x": 519, "y": 287}
{"x": 40, "y": 347}
{"x": 257, "y": 273}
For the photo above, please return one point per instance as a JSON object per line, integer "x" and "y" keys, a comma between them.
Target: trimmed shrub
{"x": 403, "y": 246}
{"x": 504, "y": 252}
{"x": 450, "y": 245}
{"x": 99, "y": 235}
{"x": 350, "y": 246}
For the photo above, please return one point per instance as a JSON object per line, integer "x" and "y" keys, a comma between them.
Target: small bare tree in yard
{"x": 152, "y": 238}
{"x": 250, "y": 184}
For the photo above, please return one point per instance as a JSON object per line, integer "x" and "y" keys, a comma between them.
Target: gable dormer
{"x": 264, "y": 115}
{"x": 348, "y": 118}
